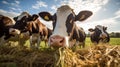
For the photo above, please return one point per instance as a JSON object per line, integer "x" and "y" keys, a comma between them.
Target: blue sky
{"x": 105, "y": 12}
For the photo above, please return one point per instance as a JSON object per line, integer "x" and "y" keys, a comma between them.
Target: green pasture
{"x": 113, "y": 41}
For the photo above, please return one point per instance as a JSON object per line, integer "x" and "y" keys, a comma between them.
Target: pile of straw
{"x": 95, "y": 56}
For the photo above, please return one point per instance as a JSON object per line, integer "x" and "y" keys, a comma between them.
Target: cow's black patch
{"x": 70, "y": 23}
{"x": 54, "y": 21}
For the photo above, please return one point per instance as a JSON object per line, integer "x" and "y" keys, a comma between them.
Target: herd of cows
{"x": 65, "y": 32}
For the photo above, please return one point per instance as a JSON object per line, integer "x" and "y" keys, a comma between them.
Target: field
{"x": 113, "y": 41}
{"x": 102, "y": 55}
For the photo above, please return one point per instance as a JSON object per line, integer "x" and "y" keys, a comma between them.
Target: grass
{"x": 113, "y": 41}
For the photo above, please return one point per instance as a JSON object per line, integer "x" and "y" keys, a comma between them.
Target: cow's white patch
{"x": 67, "y": 41}
{"x": 101, "y": 28}
{"x": 14, "y": 31}
{"x": 13, "y": 22}
{"x": 22, "y": 15}
{"x": 60, "y": 28}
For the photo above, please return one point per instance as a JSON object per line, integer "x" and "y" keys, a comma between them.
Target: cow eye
{"x": 68, "y": 34}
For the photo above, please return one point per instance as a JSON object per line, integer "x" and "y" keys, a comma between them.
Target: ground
{"x": 102, "y": 55}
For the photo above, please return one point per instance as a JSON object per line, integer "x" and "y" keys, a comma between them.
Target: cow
{"x": 5, "y": 24}
{"x": 65, "y": 32}
{"x": 37, "y": 31}
{"x": 99, "y": 34}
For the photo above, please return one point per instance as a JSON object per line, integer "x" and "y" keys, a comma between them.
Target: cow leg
{"x": 21, "y": 42}
{"x": 45, "y": 40}
{"x": 31, "y": 42}
{"x": 46, "y": 43}
{"x": 38, "y": 42}
{"x": 82, "y": 44}
{"x": 2, "y": 40}
{"x": 77, "y": 44}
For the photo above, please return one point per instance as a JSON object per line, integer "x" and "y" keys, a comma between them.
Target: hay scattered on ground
{"x": 95, "y": 56}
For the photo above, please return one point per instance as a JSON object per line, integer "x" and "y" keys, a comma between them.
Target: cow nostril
{"x": 62, "y": 40}
{"x": 13, "y": 30}
{"x": 51, "y": 40}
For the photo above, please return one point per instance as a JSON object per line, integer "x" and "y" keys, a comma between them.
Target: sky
{"x": 105, "y": 12}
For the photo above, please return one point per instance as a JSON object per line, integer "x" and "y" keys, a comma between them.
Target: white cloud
{"x": 17, "y": 2}
{"x": 14, "y": 9}
{"x": 9, "y": 14}
{"x": 92, "y": 5}
{"x": 14, "y": 3}
{"x": 14, "y": 6}
{"x": 117, "y": 12}
{"x": 54, "y": 7}
{"x": 39, "y": 4}
{"x": 5, "y": 2}
{"x": 55, "y": 0}
{"x": 117, "y": 17}
{"x": 111, "y": 23}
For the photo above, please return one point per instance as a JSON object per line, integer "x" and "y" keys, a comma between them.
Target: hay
{"x": 23, "y": 57}
{"x": 95, "y": 56}
{"x": 101, "y": 56}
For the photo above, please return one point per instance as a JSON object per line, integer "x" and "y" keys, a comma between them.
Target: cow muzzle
{"x": 103, "y": 36}
{"x": 14, "y": 31}
{"x": 57, "y": 41}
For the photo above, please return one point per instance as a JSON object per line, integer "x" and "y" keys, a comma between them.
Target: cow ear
{"x": 83, "y": 15}
{"x": 15, "y": 18}
{"x": 105, "y": 28}
{"x": 34, "y": 17}
{"x": 46, "y": 16}
{"x": 91, "y": 30}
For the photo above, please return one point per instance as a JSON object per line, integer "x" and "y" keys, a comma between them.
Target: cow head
{"x": 21, "y": 23}
{"x": 63, "y": 24}
{"x": 6, "y": 21}
{"x": 99, "y": 31}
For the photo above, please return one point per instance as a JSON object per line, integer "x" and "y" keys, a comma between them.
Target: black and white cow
{"x": 5, "y": 24}
{"x": 99, "y": 34}
{"x": 65, "y": 31}
{"x": 37, "y": 31}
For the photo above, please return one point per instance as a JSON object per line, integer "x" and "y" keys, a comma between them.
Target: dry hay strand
{"x": 23, "y": 57}
{"x": 95, "y": 56}
{"x": 67, "y": 58}
{"x": 101, "y": 56}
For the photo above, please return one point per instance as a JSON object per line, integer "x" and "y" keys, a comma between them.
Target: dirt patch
{"x": 95, "y": 56}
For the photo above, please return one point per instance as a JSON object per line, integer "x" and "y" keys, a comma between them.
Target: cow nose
{"x": 103, "y": 36}
{"x": 57, "y": 41}
{"x": 13, "y": 31}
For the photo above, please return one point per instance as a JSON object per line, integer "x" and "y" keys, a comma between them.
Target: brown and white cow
{"x": 37, "y": 30}
{"x": 5, "y": 24}
{"x": 99, "y": 34}
{"x": 65, "y": 30}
